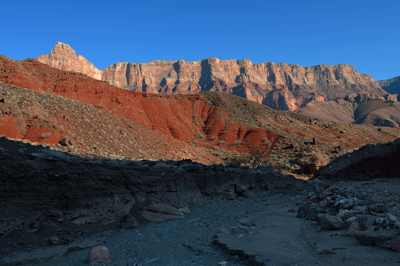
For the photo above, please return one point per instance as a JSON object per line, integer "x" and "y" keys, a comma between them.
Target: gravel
{"x": 180, "y": 242}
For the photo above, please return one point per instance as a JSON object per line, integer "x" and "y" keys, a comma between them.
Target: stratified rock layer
{"x": 279, "y": 86}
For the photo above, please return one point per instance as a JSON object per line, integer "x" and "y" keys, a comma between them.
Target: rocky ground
{"x": 56, "y": 207}
{"x": 263, "y": 229}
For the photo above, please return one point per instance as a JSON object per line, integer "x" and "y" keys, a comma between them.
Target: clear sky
{"x": 363, "y": 33}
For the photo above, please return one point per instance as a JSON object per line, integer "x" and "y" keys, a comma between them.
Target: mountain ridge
{"x": 280, "y": 86}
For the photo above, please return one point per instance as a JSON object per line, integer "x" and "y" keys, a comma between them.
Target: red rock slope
{"x": 279, "y": 86}
{"x": 206, "y": 120}
{"x": 81, "y": 129}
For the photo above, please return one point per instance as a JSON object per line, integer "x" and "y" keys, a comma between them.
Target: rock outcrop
{"x": 64, "y": 57}
{"x": 279, "y": 86}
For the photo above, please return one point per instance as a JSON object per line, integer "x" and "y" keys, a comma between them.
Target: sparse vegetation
{"x": 252, "y": 160}
{"x": 238, "y": 143}
{"x": 46, "y": 135}
{"x": 199, "y": 135}
{"x": 221, "y": 143}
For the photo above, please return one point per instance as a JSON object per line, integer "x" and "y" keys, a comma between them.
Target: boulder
{"x": 366, "y": 221}
{"x": 329, "y": 222}
{"x": 395, "y": 245}
{"x": 98, "y": 255}
{"x": 354, "y": 227}
{"x": 374, "y": 238}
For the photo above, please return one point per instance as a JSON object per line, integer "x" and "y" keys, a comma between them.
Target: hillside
{"x": 390, "y": 85}
{"x": 360, "y": 108}
{"x": 221, "y": 124}
{"x": 84, "y": 130}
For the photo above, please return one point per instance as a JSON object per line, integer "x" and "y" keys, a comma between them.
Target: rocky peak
{"x": 65, "y": 49}
{"x": 63, "y": 57}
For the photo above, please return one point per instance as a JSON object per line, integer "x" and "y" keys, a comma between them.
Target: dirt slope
{"x": 390, "y": 85}
{"x": 359, "y": 108}
{"x": 366, "y": 163}
{"x": 85, "y": 130}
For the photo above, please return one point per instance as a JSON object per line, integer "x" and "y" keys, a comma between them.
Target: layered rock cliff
{"x": 280, "y": 86}
{"x": 64, "y": 57}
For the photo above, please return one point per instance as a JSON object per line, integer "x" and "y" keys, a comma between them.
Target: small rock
{"x": 338, "y": 204}
{"x": 354, "y": 227}
{"x": 229, "y": 195}
{"x": 374, "y": 238}
{"x": 327, "y": 252}
{"x": 380, "y": 221}
{"x": 185, "y": 210}
{"x": 223, "y": 263}
{"x": 344, "y": 214}
{"x": 351, "y": 219}
{"x": 391, "y": 217}
{"x": 378, "y": 207}
{"x": 395, "y": 245}
{"x": 397, "y": 225}
{"x": 240, "y": 188}
{"x": 99, "y": 254}
{"x": 329, "y": 222}
{"x": 323, "y": 203}
{"x": 54, "y": 240}
{"x": 365, "y": 221}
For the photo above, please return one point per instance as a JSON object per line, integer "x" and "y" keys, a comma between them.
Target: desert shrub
{"x": 238, "y": 143}
{"x": 195, "y": 142}
{"x": 198, "y": 134}
{"x": 214, "y": 138}
{"x": 254, "y": 160}
{"x": 221, "y": 143}
{"x": 46, "y": 135}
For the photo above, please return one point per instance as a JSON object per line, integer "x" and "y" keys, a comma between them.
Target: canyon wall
{"x": 279, "y": 86}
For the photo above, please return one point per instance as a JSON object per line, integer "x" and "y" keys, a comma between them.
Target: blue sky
{"x": 363, "y": 33}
